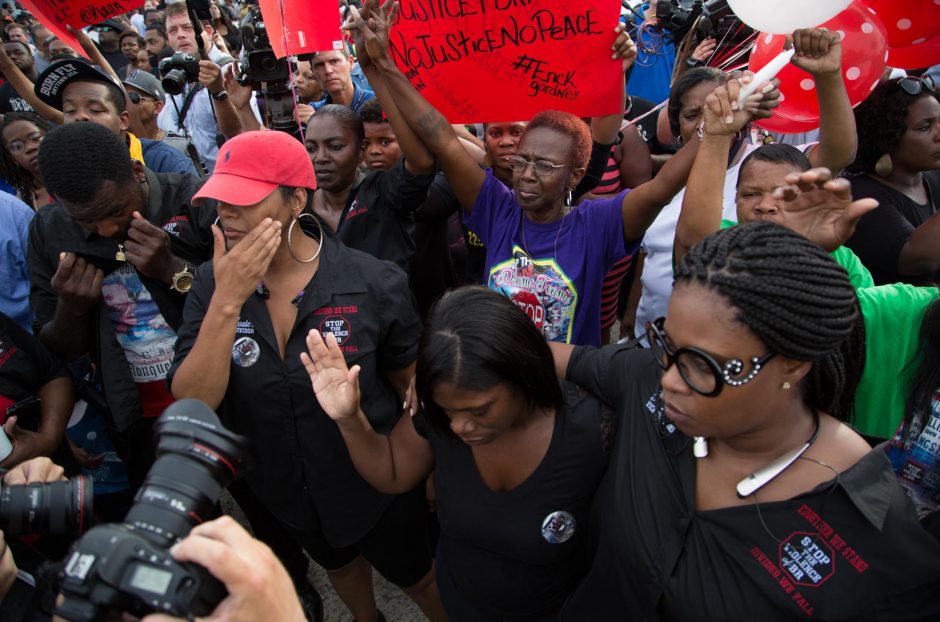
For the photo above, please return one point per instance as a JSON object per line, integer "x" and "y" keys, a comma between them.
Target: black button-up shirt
{"x": 53, "y": 231}
{"x": 302, "y": 470}
{"x": 851, "y": 549}
{"x": 379, "y": 214}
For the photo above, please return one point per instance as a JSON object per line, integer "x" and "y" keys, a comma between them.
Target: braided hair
{"x": 795, "y": 298}
{"x": 18, "y": 177}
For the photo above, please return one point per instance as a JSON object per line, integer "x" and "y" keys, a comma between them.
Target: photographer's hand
{"x": 259, "y": 587}
{"x": 210, "y": 76}
{"x": 37, "y": 470}
{"x": 7, "y": 568}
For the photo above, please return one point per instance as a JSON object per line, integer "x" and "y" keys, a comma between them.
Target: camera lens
{"x": 174, "y": 81}
{"x": 50, "y": 508}
{"x": 196, "y": 459}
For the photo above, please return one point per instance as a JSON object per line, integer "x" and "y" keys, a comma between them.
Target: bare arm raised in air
{"x": 392, "y": 464}
{"x": 370, "y": 28}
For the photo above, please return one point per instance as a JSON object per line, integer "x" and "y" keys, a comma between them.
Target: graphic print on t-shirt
{"x": 540, "y": 288}
{"x": 147, "y": 340}
{"x": 915, "y": 458}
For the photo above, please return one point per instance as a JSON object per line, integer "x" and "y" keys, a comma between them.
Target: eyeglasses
{"x": 543, "y": 168}
{"x": 915, "y": 86}
{"x": 137, "y": 97}
{"x": 698, "y": 369}
{"x": 17, "y": 147}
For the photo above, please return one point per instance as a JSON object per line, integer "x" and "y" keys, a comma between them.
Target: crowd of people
{"x": 648, "y": 365}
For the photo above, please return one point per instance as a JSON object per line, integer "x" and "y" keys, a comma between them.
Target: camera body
{"x": 128, "y": 566}
{"x": 177, "y": 71}
{"x": 263, "y": 64}
{"x": 117, "y": 568}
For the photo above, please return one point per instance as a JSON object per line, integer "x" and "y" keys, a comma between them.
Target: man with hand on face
{"x": 83, "y": 92}
{"x": 110, "y": 265}
{"x": 216, "y": 107}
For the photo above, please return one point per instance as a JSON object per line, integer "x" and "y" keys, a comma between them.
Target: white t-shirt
{"x": 657, "y": 275}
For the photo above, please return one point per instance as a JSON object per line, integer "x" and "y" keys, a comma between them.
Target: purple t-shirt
{"x": 554, "y": 276}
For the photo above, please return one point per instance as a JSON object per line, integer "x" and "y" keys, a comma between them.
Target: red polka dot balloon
{"x": 908, "y": 22}
{"x": 918, "y": 56}
{"x": 864, "y": 52}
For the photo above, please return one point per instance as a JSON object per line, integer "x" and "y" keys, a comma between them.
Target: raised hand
{"x": 77, "y": 282}
{"x": 821, "y": 208}
{"x": 370, "y": 28}
{"x": 704, "y": 50}
{"x": 239, "y": 270}
{"x": 624, "y": 47}
{"x": 818, "y": 51}
{"x": 336, "y": 386}
{"x": 722, "y": 114}
{"x": 148, "y": 249}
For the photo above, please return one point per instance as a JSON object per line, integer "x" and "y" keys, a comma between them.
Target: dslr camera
{"x": 127, "y": 567}
{"x": 179, "y": 70}
{"x": 51, "y": 508}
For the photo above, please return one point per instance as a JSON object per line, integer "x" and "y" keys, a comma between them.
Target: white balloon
{"x": 784, "y": 17}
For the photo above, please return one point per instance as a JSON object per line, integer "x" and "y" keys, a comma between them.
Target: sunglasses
{"x": 136, "y": 97}
{"x": 915, "y": 86}
{"x": 699, "y": 369}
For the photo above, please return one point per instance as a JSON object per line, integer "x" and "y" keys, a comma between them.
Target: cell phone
{"x": 105, "y": 265}
{"x": 27, "y": 412}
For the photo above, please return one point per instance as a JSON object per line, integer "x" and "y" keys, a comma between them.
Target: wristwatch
{"x": 694, "y": 62}
{"x": 219, "y": 96}
{"x": 183, "y": 280}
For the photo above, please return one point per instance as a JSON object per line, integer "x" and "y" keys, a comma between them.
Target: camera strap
{"x": 187, "y": 104}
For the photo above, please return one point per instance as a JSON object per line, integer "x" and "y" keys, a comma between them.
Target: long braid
{"x": 794, "y": 297}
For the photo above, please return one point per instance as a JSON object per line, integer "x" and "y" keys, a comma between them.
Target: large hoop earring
{"x": 290, "y": 231}
{"x": 568, "y": 198}
{"x": 884, "y": 166}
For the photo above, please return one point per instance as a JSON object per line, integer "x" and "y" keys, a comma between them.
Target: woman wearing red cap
{"x": 274, "y": 277}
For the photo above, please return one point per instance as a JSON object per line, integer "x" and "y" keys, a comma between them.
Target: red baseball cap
{"x": 253, "y": 164}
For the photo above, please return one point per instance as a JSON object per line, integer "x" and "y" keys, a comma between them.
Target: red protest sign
{"x": 57, "y": 14}
{"x": 505, "y": 60}
{"x": 297, "y": 27}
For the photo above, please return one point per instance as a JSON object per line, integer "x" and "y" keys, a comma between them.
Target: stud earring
{"x": 785, "y": 386}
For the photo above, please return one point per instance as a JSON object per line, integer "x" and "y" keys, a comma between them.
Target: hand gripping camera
{"x": 127, "y": 567}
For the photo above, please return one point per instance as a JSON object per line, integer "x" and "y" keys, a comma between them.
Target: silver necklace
{"x": 525, "y": 246}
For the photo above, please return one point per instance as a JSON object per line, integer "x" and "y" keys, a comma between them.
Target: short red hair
{"x": 570, "y": 125}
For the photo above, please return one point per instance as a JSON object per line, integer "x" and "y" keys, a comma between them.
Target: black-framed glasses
{"x": 16, "y": 147}
{"x": 915, "y": 86}
{"x": 543, "y": 168}
{"x": 698, "y": 368}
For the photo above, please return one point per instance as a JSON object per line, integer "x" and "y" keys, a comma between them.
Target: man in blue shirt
{"x": 651, "y": 74}
{"x": 15, "y": 217}
{"x": 333, "y": 70}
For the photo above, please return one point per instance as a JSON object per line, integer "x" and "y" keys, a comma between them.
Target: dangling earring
{"x": 290, "y": 231}
{"x": 884, "y": 166}
{"x": 568, "y": 198}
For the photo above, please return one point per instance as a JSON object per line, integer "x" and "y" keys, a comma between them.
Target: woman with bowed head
{"x": 516, "y": 455}
{"x": 274, "y": 276}
{"x": 898, "y": 164}
{"x": 547, "y": 256}
{"x": 735, "y": 491}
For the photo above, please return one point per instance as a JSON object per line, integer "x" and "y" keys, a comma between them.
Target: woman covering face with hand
{"x": 274, "y": 277}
